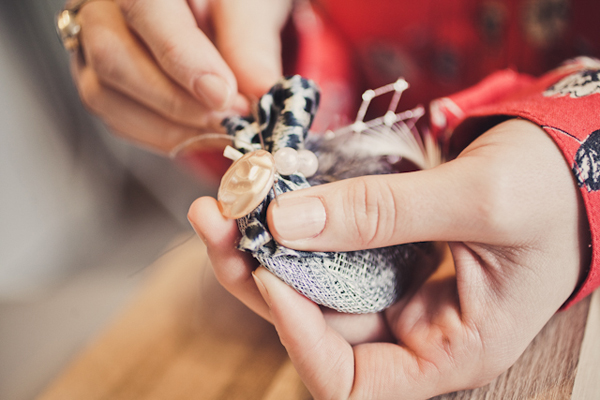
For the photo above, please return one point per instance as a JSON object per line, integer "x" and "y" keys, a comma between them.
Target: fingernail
{"x": 262, "y": 289}
{"x": 213, "y": 90}
{"x": 298, "y": 218}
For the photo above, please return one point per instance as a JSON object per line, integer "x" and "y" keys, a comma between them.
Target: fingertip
{"x": 199, "y": 208}
{"x": 210, "y": 225}
{"x": 215, "y": 91}
{"x": 256, "y": 69}
{"x": 256, "y": 78}
{"x": 254, "y": 55}
{"x": 194, "y": 216}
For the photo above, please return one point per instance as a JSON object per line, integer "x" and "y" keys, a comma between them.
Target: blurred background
{"x": 82, "y": 213}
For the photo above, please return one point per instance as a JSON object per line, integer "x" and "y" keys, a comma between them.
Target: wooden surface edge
{"x": 587, "y": 380}
{"x": 183, "y": 334}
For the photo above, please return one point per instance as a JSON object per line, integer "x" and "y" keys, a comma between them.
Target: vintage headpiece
{"x": 275, "y": 154}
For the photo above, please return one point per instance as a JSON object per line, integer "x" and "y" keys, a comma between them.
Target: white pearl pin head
{"x": 286, "y": 161}
{"x": 246, "y": 183}
{"x": 289, "y": 161}
{"x": 308, "y": 163}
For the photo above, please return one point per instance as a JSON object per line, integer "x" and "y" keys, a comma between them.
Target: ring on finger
{"x": 68, "y": 27}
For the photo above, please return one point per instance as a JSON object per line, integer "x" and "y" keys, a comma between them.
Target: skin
{"x": 507, "y": 206}
{"x": 143, "y": 64}
{"x": 516, "y": 228}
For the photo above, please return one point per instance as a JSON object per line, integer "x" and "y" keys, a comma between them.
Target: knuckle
{"x": 169, "y": 54}
{"x": 175, "y": 106}
{"x": 371, "y": 210}
{"x": 103, "y": 54}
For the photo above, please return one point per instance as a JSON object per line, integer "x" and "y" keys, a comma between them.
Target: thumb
{"x": 323, "y": 359}
{"x": 248, "y": 37}
{"x": 377, "y": 211}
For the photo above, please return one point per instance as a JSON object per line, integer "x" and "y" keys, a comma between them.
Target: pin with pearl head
{"x": 252, "y": 175}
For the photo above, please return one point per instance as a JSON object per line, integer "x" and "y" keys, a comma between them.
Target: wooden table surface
{"x": 184, "y": 337}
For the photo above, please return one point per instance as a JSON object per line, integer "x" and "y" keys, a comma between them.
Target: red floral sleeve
{"x": 565, "y": 103}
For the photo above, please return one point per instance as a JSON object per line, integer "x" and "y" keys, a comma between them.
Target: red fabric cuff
{"x": 565, "y": 103}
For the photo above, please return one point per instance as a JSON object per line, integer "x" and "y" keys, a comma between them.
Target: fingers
{"x": 376, "y": 211}
{"x": 232, "y": 267}
{"x": 331, "y": 368}
{"x": 248, "y": 36}
{"x": 496, "y": 192}
{"x": 122, "y": 63}
{"x": 322, "y": 358}
{"x": 170, "y": 31}
{"x": 149, "y": 68}
{"x": 131, "y": 119}
{"x": 519, "y": 258}
{"x": 121, "y": 82}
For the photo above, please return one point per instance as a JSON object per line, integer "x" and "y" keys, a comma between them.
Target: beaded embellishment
{"x": 354, "y": 282}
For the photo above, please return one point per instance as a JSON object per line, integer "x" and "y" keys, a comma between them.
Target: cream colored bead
{"x": 308, "y": 163}
{"x": 286, "y": 161}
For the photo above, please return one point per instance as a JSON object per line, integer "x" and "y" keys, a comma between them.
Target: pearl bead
{"x": 246, "y": 184}
{"x": 309, "y": 164}
{"x": 286, "y": 161}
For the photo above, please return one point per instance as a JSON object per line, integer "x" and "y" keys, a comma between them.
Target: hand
{"x": 234, "y": 268}
{"x": 159, "y": 72}
{"x": 516, "y": 226}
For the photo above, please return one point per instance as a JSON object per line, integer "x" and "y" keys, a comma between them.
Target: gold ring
{"x": 67, "y": 26}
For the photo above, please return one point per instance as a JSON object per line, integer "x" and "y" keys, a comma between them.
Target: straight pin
{"x": 275, "y": 191}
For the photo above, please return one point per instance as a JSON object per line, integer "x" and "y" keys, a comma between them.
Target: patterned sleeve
{"x": 565, "y": 103}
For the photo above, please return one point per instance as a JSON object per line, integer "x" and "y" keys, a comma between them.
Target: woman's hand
{"x": 161, "y": 71}
{"x": 510, "y": 211}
